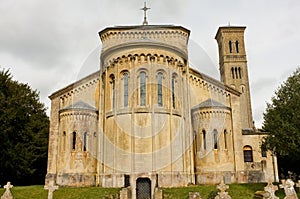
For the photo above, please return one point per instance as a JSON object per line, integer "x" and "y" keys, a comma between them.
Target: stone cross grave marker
{"x": 298, "y": 185}
{"x": 288, "y": 186}
{"x": 271, "y": 189}
{"x": 223, "y": 194}
{"x": 51, "y": 188}
{"x": 7, "y": 194}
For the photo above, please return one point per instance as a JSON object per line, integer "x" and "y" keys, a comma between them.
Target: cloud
{"x": 50, "y": 44}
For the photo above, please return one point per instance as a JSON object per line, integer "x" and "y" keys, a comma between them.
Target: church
{"x": 147, "y": 117}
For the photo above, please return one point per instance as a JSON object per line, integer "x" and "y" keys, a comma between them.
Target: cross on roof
{"x": 145, "y": 22}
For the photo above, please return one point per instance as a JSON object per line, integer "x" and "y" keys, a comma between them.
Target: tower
{"x": 233, "y": 67}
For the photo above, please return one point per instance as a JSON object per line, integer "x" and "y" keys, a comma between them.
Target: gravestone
{"x": 222, "y": 194}
{"x": 158, "y": 193}
{"x": 125, "y": 193}
{"x": 194, "y": 195}
{"x": 51, "y": 188}
{"x": 288, "y": 186}
{"x": 271, "y": 189}
{"x": 298, "y": 185}
{"x": 7, "y": 194}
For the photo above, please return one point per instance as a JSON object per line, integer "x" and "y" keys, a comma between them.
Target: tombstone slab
{"x": 222, "y": 194}
{"x": 288, "y": 186}
{"x": 270, "y": 190}
{"x": 194, "y": 195}
{"x": 7, "y": 194}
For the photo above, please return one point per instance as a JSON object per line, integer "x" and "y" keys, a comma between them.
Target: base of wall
{"x": 230, "y": 177}
{"x": 72, "y": 179}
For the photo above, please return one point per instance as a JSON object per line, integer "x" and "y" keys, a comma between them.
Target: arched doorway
{"x": 143, "y": 188}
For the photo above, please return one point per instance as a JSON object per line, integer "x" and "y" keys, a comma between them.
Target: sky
{"x": 50, "y": 44}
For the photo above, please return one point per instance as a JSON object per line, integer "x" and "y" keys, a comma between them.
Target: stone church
{"x": 147, "y": 117}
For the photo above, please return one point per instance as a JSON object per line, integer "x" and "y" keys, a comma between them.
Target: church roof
{"x": 143, "y": 27}
{"x": 209, "y": 104}
{"x": 80, "y": 105}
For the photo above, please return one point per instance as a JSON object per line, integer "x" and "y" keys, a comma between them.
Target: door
{"x": 143, "y": 188}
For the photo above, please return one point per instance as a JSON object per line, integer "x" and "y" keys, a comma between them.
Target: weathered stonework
{"x": 147, "y": 120}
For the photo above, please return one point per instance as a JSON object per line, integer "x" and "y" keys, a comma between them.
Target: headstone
{"x": 288, "y": 186}
{"x": 125, "y": 193}
{"x": 7, "y": 194}
{"x": 271, "y": 189}
{"x": 298, "y": 185}
{"x": 194, "y": 195}
{"x": 51, "y": 188}
{"x": 158, "y": 193}
{"x": 262, "y": 195}
{"x": 222, "y": 194}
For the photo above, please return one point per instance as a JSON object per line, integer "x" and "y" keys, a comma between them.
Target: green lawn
{"x": 38, "y": 192}
{"x": 236, "y": 191}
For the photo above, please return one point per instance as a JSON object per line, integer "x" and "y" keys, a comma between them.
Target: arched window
{"x": 230, "y": 46}
{"x": 204, "y": 139}
{"x": 236, "y": 73}
{"x": 215, "y": 132}
{"x": 125, "y": 79}
{"x": 225, "y": 139}
{"x": 143, "y": 89}
{"x": 232, "y": 72}
{"x": 84, "y": 141}
{"x": 159, "y": 89}
{"x": 74, "y": 141}
{"x": 112, "y": 82}
{"x": 248, "y": 155}
{"x": 240, "y": 72}
{"x": 173, "y": 91}
{"x": 237, "y": 46}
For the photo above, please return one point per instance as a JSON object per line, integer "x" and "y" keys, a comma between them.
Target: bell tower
{"x": 233, "y": 67}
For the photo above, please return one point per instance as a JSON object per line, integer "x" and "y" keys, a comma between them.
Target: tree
{"x": 23, "y": 133}
{"x": 282, "y": 122}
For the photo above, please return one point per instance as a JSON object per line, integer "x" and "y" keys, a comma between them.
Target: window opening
{"x": 84, "y": 141}
{"x": 112, "y": 91}
{"x": 125, "y": 79}
{"x": 74, "y": 141}
{"x": 248, "y": 155}
{"x": 237, "y": 46}
{"x": 173, "y": 92}
{"x": 159, "y": 89}
{"x": 215, "y": 139}
{"x": 143, "y": 89}
{"x": 225, "y": 139}
{"x": 230, "y": 46}
{"x": 204, "y": 139}
{"x": 240, "y": 73}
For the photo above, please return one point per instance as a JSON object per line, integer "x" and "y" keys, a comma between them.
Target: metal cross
{"x": 145, "y": 22}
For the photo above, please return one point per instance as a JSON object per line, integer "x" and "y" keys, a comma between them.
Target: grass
{"x": 236, "y": 191}
{"x": 38, "y": 192}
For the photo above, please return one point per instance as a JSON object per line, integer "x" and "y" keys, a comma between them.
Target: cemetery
{"x": 284, "y": 190}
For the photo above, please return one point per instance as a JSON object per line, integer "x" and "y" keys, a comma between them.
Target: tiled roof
{"x": 210, "y": 103}
{"x": 80, "y": 105}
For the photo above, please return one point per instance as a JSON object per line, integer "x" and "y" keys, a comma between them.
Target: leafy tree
{"x": 282, "y": 121}
{"x": 23, "y": 133}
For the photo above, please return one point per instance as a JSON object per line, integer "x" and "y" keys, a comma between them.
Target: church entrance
{"x": 143, "y": 188}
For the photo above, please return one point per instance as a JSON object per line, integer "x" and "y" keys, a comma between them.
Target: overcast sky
{"x": 50, "y": 44}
